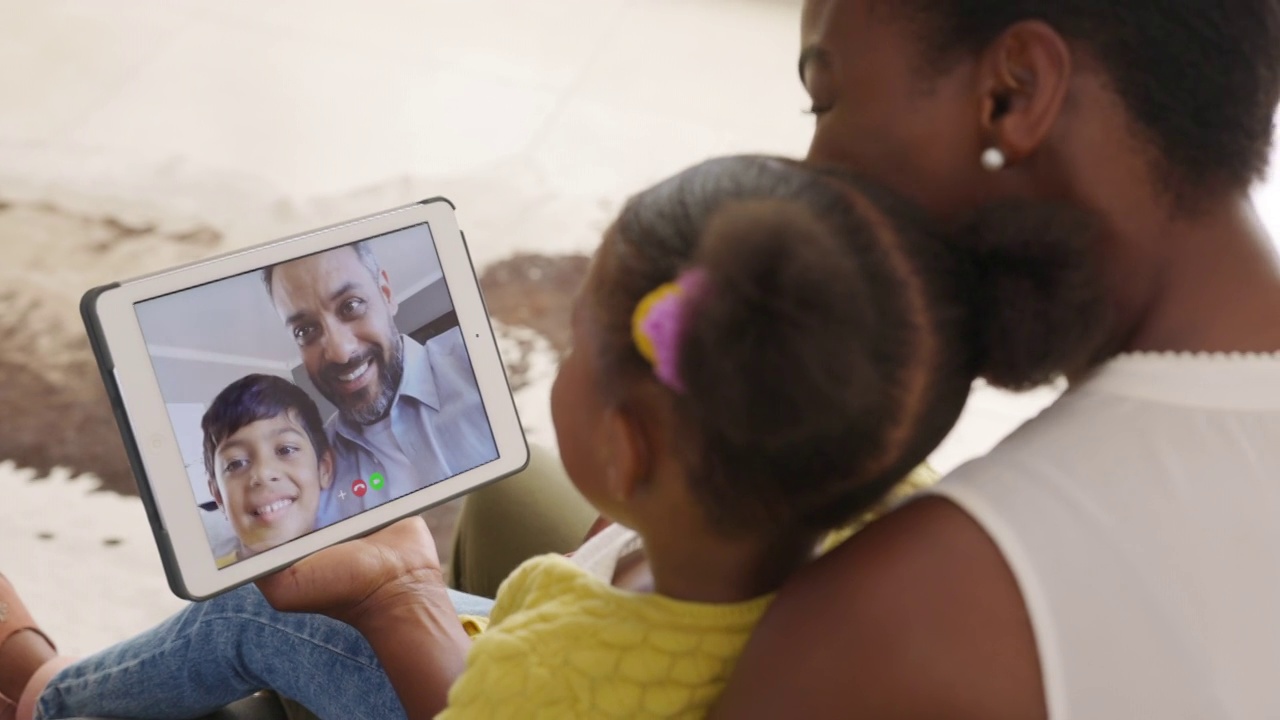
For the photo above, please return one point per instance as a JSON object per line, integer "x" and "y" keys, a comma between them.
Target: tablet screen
{"x": 310, "y": 391}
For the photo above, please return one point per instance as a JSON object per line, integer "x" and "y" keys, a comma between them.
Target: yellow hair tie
{"x": 639, "y": 331}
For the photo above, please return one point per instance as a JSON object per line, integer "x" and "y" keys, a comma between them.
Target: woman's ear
{"x": 1025, "y": 75}
{"x": 628, "y": 454}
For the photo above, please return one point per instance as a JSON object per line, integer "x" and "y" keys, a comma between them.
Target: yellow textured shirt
{"x": 561, "y": 643}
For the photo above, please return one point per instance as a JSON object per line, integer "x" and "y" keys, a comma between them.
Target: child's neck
{"x": 713, "y": 569}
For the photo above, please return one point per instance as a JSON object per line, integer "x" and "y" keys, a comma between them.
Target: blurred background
{"x": 136, "y": 134}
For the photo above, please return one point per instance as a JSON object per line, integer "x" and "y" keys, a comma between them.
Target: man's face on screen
{"x": 342, "y": 317}
{"x": 268, "y": 480}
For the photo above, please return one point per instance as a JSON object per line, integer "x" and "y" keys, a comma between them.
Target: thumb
{"x": 326, "y": 580}
{"x": 337, "y": 579}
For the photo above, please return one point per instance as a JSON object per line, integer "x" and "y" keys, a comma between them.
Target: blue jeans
{"x": 213, "y": 653}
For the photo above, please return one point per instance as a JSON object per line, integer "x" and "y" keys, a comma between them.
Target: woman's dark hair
{"x": 253, "y": 398}
{"x": 1200, "y": 77}
{"x": 838, "y": 334}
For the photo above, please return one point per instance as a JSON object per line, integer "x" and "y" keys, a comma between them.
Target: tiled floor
{"x": 262, "y": 118}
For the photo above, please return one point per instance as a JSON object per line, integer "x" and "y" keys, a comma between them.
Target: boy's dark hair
{"x": 838, "y": 336}
{"x": 253, "y": 398}
{"x": 1201, "y": 78}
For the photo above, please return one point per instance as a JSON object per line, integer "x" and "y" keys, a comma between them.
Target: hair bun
{"x": 783, "y": 299}
{"x": 1039, "y": 300}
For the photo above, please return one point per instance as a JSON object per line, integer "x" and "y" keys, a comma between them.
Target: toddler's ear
{"x": 326, "y": 469}
{"x": 627, "y": 460}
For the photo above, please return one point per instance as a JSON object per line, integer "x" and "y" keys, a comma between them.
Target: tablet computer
{"x": 279, "y": 399}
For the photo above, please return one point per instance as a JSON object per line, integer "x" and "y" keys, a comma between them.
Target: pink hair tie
{"x": 657, "y": 325}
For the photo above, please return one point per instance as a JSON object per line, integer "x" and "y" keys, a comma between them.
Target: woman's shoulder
{"x": 916, "y": 616}
{"x": 928, "y": 611}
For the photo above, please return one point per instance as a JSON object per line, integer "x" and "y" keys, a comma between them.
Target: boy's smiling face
{"x": 268, "y": 481}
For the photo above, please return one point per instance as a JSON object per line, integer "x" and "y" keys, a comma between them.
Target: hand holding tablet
{"x": 287, "y": 397}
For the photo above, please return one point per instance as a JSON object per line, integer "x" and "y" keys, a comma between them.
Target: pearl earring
{"x": 993, "y": 159}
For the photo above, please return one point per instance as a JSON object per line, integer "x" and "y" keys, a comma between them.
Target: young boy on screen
{"x": 268, "y": 461}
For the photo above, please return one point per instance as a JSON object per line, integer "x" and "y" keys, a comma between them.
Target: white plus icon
{"x": 342, "y": 494}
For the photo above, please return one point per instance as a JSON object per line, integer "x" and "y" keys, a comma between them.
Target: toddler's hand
{"x": 360, "y": 578}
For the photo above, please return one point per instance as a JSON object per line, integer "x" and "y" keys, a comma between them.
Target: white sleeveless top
{"x": 1141, "y": 516}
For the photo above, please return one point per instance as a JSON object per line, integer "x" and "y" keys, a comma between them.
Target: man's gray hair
{"x": 363, "y": 251}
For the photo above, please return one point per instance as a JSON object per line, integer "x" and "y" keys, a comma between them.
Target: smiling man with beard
{"x": 409, "y": 414}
